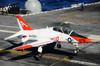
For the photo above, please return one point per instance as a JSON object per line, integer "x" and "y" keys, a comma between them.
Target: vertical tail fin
{"x": 22, "y": 24}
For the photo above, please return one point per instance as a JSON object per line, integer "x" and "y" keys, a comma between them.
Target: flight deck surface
{"x": 84, "y": 22}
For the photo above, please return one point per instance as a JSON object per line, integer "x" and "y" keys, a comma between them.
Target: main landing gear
{"x": 39, "y": 55}
{"x": 24, "y": 43}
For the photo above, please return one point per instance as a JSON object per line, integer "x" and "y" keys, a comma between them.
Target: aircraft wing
{"x": 35, "y": 44}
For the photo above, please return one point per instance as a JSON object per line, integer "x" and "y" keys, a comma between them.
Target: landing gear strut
{"x": 40, "y": 49}
{"x": 24, "y": 43}
{"x": 76, "y": 50}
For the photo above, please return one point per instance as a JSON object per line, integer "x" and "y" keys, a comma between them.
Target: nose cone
{"x": 87, "y": 40}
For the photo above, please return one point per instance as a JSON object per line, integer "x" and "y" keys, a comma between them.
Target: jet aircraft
{"x": 44, "y": 36}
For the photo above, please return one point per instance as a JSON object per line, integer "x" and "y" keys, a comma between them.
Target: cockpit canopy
{"x": 62, "y": 29}
{"x": 67, "y": 31}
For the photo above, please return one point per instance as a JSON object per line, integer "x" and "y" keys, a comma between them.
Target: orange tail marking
{"x": 23, "y": 24}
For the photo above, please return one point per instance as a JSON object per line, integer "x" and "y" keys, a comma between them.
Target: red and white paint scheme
{"x": 46, "y": 36}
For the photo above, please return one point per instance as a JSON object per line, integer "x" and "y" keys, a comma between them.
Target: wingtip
{"x": 5, "y": 39}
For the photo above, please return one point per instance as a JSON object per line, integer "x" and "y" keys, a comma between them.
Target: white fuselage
{"x": 47, "y": 33}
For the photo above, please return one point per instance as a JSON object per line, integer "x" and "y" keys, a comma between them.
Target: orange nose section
{"x": 87, "y": 40}
{"x": 81, "y": 40}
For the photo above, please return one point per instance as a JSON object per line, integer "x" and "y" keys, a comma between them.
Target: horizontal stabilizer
{"x": 14, "y": 35}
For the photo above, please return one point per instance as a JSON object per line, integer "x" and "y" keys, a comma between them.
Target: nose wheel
{"x": 76, "y": 51}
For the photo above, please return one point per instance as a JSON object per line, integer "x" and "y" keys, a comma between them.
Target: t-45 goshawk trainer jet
{"x": 46, "y": 36}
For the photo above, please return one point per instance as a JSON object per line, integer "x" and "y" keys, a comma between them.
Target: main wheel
{"x": 39, "y": 55}
{"x": 58, "y": 46}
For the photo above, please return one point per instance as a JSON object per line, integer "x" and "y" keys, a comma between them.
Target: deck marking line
{"x": 8, "y": 26}
{"x": 51, "y": 57}
{"x": 15, "y": 52}
{"x": 24, "y": 53}
{"x": 56, "y": 58}
{"x": 7, "y": 31}
{"x": 84, "y": 63}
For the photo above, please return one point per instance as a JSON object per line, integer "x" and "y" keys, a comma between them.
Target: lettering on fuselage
{"x": 55, "y": 38}
{"x": 33, "y": 36}
{"x": 82, "y": 40}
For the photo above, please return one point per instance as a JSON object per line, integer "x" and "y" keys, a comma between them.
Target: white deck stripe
{"x": 8, "y": 26}
{"x": 84, "y": 63}
{"x": 7, "y": 31}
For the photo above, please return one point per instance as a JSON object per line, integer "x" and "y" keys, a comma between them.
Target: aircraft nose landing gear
{"x": 76, "y": 51}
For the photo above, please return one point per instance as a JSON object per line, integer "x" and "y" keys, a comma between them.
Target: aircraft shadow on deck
{"x": 46, "y": 49}
{"x": 4, "y": 52}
